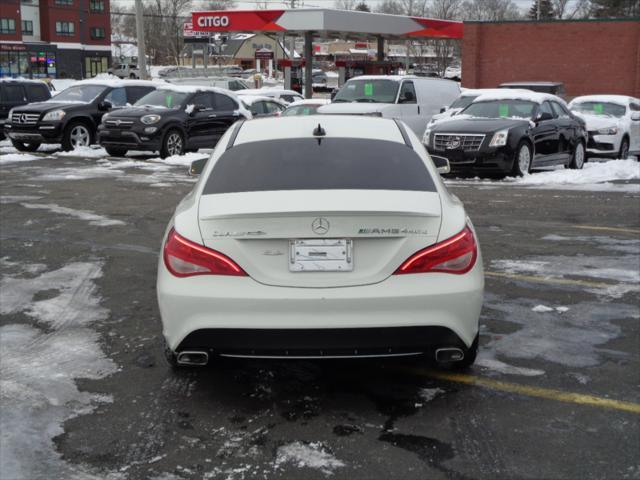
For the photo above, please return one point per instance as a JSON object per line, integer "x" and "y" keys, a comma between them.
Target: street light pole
{"x": 142, "y": 59}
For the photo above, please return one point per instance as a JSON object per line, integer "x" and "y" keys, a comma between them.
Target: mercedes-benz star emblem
{"x": 118, "y": 122}
{"x": 454, "y": 142}
{"x": 320, "y": 226}
{"x": 23, "y": 118}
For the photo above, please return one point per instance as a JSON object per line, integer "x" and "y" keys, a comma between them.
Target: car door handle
{"x": 213, "y": 115}
{"x": 418, "y": 109}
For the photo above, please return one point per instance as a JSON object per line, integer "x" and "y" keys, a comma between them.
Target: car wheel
{"x": 116, "y": 152}
{"x": 624, "y": 149}
{"x": 522, "y": 160}
{"x": 173, "y": 144}
{"x": 25, "y": 147}
{"x": 577, "y": 159}
{"x": 133, "y": 75}
{"x": 76, "y": 135}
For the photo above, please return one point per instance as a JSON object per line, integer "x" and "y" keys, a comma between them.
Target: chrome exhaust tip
{"x": 446, "y": 355}
{"x": 193, "y": 358}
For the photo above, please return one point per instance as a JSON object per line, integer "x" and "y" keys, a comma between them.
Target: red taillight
{"x": 457, "y": 255}
{"x": 184, "y": 258}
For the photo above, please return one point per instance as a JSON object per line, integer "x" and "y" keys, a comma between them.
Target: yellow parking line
{"x": 610, "y": 229}
{"x": 555, "y": 281}
{"x": 546, "y": 393}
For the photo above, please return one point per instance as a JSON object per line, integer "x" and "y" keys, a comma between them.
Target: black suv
{"x": 72, "y": 117}
{"x": 172, "y": 120}
{"x": 14, "y": 92}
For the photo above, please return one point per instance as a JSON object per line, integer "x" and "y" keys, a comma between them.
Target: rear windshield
{"x": 311, "y": 164}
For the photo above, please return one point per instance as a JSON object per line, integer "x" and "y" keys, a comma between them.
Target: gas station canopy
{"x": 326, "y": 23}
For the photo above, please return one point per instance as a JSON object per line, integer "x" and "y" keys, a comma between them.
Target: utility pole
{"x": 142, "y": 59}
{"x": 538, "y": 10}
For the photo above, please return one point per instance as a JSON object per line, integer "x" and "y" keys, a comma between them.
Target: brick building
{"x": 589, "y": 56}
{"x": 55, "y": 38}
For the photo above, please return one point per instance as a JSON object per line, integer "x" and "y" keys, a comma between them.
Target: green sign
{"x": 368, "y": 89}
{"x": 503, "y": 110}
{"x": 598, "y": 108}
{"x": 168, "y": 100}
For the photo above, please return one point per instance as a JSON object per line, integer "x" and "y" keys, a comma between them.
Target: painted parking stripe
{"x": 538, "y": 392}
{"x": 608, "y": 229}
{"x": 551, "y": 280}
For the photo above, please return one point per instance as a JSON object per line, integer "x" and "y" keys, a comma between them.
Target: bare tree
{"x": 221, "y": 5}
{"x": 490, "y": 10}
{"x": 571, "y": 9}
{"x": 345, "y": 4}
{"x": 392, "y": 7}
{"x": 445, "y": 48}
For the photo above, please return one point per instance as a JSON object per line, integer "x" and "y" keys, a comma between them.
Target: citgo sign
{"x": 236, "y": 21}
{"x": 213, "y": 21}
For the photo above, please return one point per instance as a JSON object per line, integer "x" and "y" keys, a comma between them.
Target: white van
{"x": 412, "y": 99}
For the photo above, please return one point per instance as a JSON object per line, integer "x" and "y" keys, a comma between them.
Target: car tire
{"x": 25, "y": 147}
{"x": 522, "y": 160}
{"x": 578, "y": 157}
{"x": 133, "y": 75}
{"x": 116, "y": 152}
{"x": 623, "y": 154}
{"x": 172, "y": 144}
{"x": 77, "y": 134}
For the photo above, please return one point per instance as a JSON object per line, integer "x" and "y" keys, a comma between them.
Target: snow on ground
{"x": 86, "y": 152}
{"x": 308, "y": 455}
{"x": 92, "y": 218}
{"x": 39, "y": 367}
{"x": 18, "y": 157}
{"x": 17, "y": 198}
{"x": 631, "y": 246}
{"x": 544, "y": 309}
{"x": 181, "y": 160}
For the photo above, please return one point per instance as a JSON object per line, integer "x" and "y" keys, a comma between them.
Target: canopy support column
{"x": 308, "y": 65}
{"x": 380, "y": 56}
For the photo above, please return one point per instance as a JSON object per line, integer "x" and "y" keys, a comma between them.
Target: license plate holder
{"x": 321, "y": 255}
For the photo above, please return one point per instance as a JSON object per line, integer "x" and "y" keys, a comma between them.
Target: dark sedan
{"x": 510, "y": 135}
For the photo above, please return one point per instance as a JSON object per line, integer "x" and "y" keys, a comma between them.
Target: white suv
{"x": 613, "y": 122}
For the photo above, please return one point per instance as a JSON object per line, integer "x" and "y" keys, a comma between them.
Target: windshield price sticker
{"x": 368, "y": 89}
{"x": 503, "y": 110}
{"x": 598, "y": 108}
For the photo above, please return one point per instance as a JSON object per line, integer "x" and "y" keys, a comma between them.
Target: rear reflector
{"x": 184, "y": 258}
{"x": 457, "y": 255}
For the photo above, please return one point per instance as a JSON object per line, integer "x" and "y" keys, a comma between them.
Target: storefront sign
{"x": 8, "y": 47}
{"x": 264, "y": 54}
{"x": 226, "y": 21}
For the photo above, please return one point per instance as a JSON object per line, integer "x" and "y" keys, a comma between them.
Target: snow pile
{"x": 545, "y": 309}
{"x": 86, "y": 152}
{"x": 17, "y": 157}
{"x": 311, "y": 455}
{"x": 591, "y": 173}
{"x": 487, "y": 361}
{"x": 39, "y": 367}
{"x": 92, "y": 218}
{"x": 181, "y": 160}
{"x": 428, "y": 394}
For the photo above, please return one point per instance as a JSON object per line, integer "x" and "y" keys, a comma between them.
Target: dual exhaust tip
{"x": 198, "y": 358}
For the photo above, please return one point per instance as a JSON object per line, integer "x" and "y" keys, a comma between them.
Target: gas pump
{"x": 293, "y": 74}
{"x": 353, "y": 68}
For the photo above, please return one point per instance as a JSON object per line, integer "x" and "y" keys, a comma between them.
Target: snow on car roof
{"x": 21, "y": 79}
{"x": 116, "y": 82}
{"x": 470, "y": 92}
{"x": 193, "y": 89}
{"x": 514, "y": 94}
{"x": 266, "y": 91}
{"x": 251, "y": 99}
{"x": 617, "y": 99}
{"x": 336, "y": 126}
{"x": 310, "y": 101}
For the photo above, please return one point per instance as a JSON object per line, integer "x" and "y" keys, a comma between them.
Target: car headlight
{"x": 54, "y": 116}
{"x": 608, "y": 131}
{"x": 426, "y": 137}
{"x": 150, "y": 119}
{"x": 10, "y": 114}
{"x": 499, "y": 138}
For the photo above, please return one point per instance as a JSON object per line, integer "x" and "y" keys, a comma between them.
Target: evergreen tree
{"x": 546, "y": 10}
{"x": 363, "y": 7}
{"x": 615, "y": 8}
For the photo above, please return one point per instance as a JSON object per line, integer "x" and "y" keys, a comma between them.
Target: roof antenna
{"x": 319, "y": 131}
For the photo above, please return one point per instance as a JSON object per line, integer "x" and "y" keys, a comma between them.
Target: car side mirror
{"x": 105, "y": 105}
{"x": 197, "y": 166}
{"x": 443, "y": 109}
{"x": 334, "y": 92}
{"x": 635, "y": 116}
{"x": 442, "y": 164}
{"x": 544, "y": 116}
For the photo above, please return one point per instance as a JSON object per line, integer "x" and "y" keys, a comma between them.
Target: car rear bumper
{"x": 237, "y": 315}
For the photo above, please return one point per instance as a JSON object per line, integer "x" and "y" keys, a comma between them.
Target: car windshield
{"x": 463, "y": 102}
{"x": 309, "y": 164}
{"x": 300, "y": 110}
{"x": 374, "y": 91}
{"x": 600, "y": 108}
{"x": 162, "y": 98}
{"x": 501, "y": 109}
{"x": 79, "y": 94}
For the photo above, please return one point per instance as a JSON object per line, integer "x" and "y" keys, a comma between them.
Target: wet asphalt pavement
{"x": 561, "y": 316}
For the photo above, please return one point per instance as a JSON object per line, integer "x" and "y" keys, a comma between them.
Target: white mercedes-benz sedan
{"x": 320, "y": 237}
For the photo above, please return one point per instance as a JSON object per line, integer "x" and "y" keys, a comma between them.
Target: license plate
{"x": 321, "y": 255}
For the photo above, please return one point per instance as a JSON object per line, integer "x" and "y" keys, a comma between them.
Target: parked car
{"x": 71, "y": 117}
{"x": 553, "y": 88}
{"x": 228, "y": 83}
{"x": 258, "y": 251}
{"x": 453, "y": 72}
{"x": 173, "y": 119}
{"x": 305, "y": 107}
{"x": 426, "y": 70}
{"x": 125, "y": 70}
{"x": 613, "y": 123}
{"x": 17, "y": 92}
{"x": 413, "y": 99}
{"x": 263, "y": 106}
{"x": 511, "y": 133}
{"x": 287, "y": 96}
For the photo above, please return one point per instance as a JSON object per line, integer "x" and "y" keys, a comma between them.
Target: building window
{"x": 27, "y": 27}
{"x": 66, "y": 29}
{"x": 96, "y": 6}
{"x": 7, "y": 26}
{"x": 97, "y": 32}
{"x": 64, "y": 2}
